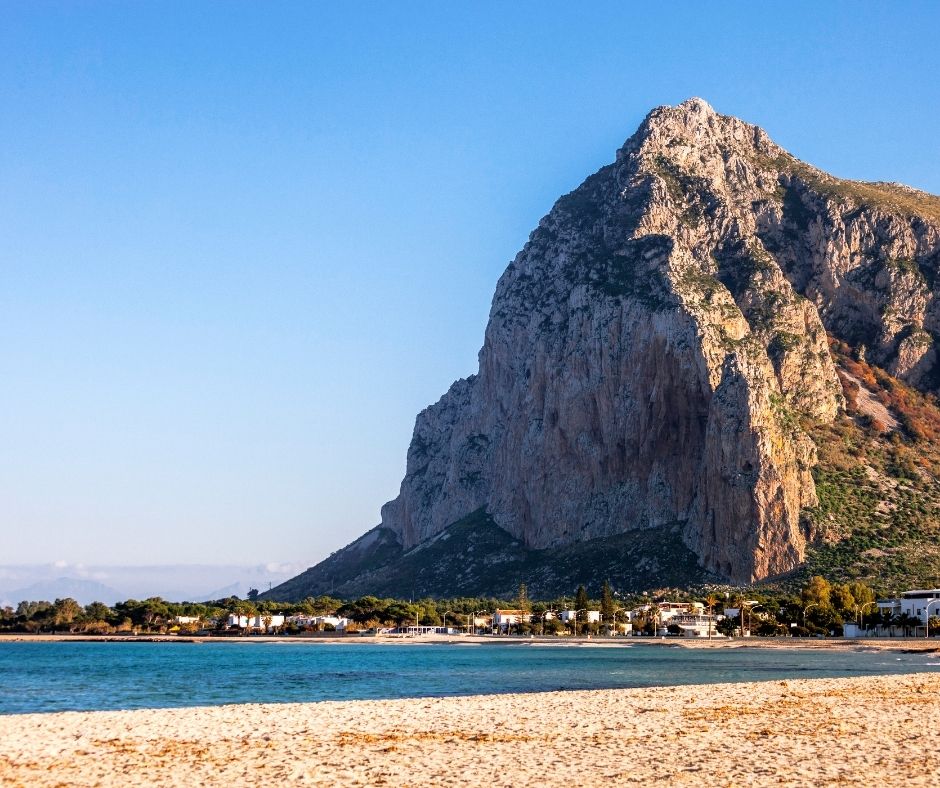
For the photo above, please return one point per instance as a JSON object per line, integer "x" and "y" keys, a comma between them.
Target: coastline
{"x": 911, "y": 644}
{"x": 798, "y": 732}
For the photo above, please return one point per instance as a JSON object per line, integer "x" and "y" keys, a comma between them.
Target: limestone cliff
{"x": 657, "y": 349}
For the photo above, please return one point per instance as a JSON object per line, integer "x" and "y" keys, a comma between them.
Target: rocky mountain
{"x": 661, "y": 361}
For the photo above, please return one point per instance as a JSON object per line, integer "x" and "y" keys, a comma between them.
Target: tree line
{"x": 819, "y": 607}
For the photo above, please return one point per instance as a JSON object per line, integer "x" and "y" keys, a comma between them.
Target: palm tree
{"x": 710, "y": 601}
{"x": 884, "y": 619}
{"x": 907, "y": 622}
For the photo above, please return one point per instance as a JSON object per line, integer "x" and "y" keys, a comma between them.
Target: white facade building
{"x": 921, "y": 603}
{"x": 696, "y": 626}
{"x": 669, "y": 610}
{"x": 339, "y": 624}
{"x": 504, "y": 619}
{"x": 256, "y": 622}
{"x": 267, "y": 622}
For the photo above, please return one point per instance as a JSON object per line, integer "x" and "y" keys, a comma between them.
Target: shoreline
{"x": 793, "y": 732}
{"x": 911, "y": 644}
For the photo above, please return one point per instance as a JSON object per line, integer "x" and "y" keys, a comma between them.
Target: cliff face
{"x": 655, "y": 360}
{"x": 655, "y": 347}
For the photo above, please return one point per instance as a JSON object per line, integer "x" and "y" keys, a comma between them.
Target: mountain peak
{"x": 696, "y": 105}
{"x": 658, "y": 365}
{"x": 694, "y": 124}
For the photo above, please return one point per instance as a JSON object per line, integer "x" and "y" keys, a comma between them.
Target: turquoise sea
{"x": 46, "y": 677}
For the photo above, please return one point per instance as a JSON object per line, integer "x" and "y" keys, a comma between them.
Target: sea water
{"x": 60, "y": 676}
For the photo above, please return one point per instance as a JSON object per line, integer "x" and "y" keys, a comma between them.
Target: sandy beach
{"x": 819, "y": 732}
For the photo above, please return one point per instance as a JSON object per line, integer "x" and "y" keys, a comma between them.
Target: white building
{"x": 669, "y": 610}
{"x": 890, "y": 606}
{"x": 696, "y": 626}
{"x": 266, "y": 622}
{"x": 918, "y": 603}
{"x": 921, "y": 603}
{"x": 186, "y": 619}
{"x": 504, "y": 619}
{"x": 316, "y": 622}
{"x": 426, "y": 630}
{"x": 580, "y": 616}
{"x": 256, "y": 622}
{"x": 481, "y": 622}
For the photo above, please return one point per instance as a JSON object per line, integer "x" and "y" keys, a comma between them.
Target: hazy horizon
{"x": 109, "y": 583}
{"x": 243, "y": 250}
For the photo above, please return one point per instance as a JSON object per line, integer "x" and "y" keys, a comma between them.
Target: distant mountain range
{"x": 83, "y": 591}
{"x": 111, "y": 584}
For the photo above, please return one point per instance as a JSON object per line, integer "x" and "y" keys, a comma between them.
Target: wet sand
{"x": 858, "y": 731}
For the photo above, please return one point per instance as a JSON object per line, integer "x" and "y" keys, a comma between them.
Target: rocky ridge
{"x": 657, "y": 354}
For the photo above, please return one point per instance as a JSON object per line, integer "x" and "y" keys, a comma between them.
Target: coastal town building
{"x": 695, "y": 626}
{"x": 319, "y": 622}
{"x": 690, "y": 617}
{"x": 480, "y": 623}
{"x": 891, "y": 607}
{"x": 921, "y": 603}
{"x": 583, "y": 616}
{"x": 263, "y": 623}
{"x": 425, "y": 630}
{"x": 907, "y": 614}
{"x": 504, "y": 619}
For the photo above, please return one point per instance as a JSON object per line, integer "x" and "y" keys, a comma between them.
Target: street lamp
{"x": 805, "y": 609}
{"x": 545, "y": 615}
{"x": 749, "y": 607}
{"x": 860, "y": 611}
{"x": 582, "y": 610}
{"x": 927, "y": 617}
{"x": 471, "y": 621}
{"x": 445, "y": 620}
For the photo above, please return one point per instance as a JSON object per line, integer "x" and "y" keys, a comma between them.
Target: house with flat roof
{"x": 921, "y": 603}
{"x": 696, "y": 626}
{"x": 504, "y": 619}
{"x": 584, "y": 616}
{"x": 319, "y": 622}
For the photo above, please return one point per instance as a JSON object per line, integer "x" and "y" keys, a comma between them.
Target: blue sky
{"x": 242, "y": 245}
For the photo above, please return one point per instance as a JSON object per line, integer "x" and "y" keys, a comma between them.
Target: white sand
{"x": 860, "y": 731}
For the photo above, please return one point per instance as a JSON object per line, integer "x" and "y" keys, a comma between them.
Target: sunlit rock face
{"x": 656, "y": 348}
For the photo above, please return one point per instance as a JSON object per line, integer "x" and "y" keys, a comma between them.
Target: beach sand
{"x": 812, "y": 732}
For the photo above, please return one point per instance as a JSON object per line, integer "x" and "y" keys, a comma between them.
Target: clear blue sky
{"x": 242, "y": 245}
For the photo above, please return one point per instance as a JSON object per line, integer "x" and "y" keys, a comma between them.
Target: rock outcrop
{"x": 656, "y": 349}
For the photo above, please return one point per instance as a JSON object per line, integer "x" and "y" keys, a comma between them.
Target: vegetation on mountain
{"x": 878, "y": 518}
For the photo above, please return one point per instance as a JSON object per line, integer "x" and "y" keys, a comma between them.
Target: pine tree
{"x": 581, "y": 602}
{"x": 522, "y": 601}
{"x": 607, "y": 602}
